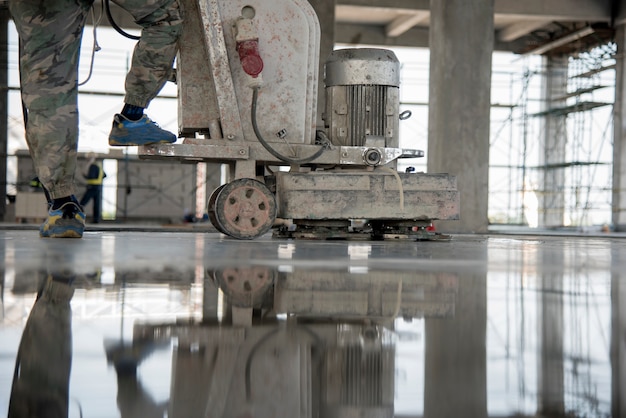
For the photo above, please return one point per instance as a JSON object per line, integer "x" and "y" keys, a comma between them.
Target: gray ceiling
{"x": 521, "y": 26}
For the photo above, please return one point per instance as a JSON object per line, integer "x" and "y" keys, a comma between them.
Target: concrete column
{"x": 552, "y": 198}
{"x": 461, "y": 44}
{"x": 550, "y": 381}
{"x": 619, "y": 134}
{"x": 4, "y": 90}
{"x": 455, "y": 360}
{"x": 325, "y": 10}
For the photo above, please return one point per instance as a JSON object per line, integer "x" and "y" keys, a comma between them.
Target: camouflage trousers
{"x": 50, "y": 33}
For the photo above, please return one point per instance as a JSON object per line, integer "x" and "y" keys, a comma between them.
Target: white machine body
{"x": 248, "y": 76}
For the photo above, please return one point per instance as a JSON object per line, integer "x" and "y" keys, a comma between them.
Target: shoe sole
{"x": 65, "y": 230}
{"x": 69, "y": 233}
{"x": 114, "y": 143}
{"x": 130, "y": 144}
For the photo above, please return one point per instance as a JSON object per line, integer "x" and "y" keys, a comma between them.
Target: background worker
{"x": 94, "y": 176}
{"x": 50, "y": 33}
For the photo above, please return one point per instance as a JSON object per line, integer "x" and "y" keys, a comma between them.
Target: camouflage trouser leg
{"x": 50, "y": 32}
{"x": 44, "y": 359}
{"x": 161, "y": 22}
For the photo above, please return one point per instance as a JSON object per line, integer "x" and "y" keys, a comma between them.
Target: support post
{"x": 552, "y": 198}
{"x": 4, "y": 90}
{"x": 461, "y": 46}
{"x": 619, "y": 134}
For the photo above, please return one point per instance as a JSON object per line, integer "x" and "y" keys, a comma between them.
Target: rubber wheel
{"x": 211, "y": 209}
{"x": 244, "y": 209}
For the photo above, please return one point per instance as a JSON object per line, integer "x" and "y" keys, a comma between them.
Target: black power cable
{"x": 255, "y": 127}
{"x": 107, "y": 8}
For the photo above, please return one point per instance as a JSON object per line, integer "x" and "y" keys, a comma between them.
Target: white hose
{"x": 400, "y": 188}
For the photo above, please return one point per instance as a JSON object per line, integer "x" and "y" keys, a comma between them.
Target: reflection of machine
{"x": 248, "y": 82}
{"x": 378, "y": 295}
{"x": 332, "y": 357}
{"x": 282, "y": 371}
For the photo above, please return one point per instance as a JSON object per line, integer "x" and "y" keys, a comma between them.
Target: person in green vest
{"x": 94, "y": 176}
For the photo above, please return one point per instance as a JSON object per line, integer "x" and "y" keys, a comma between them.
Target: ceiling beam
{"x": 559, "y": 10}
{"x": 405, "y": 22}
{"x": 393, "y": 4}
{"x": 359, "y": 34}
{"x": 416, "y": 37}
{"x": 517, "y": 30}
{"x": 572, "y": 37}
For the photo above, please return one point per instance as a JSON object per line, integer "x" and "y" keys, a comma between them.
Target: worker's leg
{"x": 86, "y": 197}
{"x": 97, "y": 204}
{"x": 153, "y": 57}
{"x": 151, "y": 67}
{"x": 50, "y": 34}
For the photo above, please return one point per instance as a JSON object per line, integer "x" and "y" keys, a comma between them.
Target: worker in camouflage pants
{"x": 50, "y": 33}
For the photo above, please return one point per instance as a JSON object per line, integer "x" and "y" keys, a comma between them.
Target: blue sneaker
{"x": 66, "y": 222}
{"x": 126, "y": 132}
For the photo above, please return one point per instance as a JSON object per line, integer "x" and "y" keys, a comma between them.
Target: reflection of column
{"x": 3, "y": 262}
{"x": 618, "y": 338}
{"x": 209, "y": 300}
{"x": 455, "y": 383}
{"x": 550, "y": 389}
{"x": 4, "y": 20}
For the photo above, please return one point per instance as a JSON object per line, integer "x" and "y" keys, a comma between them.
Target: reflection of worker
{"x": 50, "y": 33}
{"x": 94, "y": 176}
{"x": 42, "y": 368}
{"x": 133, "y": 401}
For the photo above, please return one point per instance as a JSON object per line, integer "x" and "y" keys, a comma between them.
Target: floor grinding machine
{"x": 247, "y": 77}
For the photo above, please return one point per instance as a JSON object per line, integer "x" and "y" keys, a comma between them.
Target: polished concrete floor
{"x": 154, "y": 323}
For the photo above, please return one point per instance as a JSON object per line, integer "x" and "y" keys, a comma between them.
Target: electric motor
{"x": 362, "y": 97}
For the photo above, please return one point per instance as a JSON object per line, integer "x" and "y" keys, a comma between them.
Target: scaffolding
{"x": 519, "y": 193}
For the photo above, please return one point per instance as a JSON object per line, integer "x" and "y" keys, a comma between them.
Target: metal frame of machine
{"x": 247, "y": 76}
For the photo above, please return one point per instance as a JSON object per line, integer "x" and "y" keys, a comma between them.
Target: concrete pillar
{"x": 619, "y": 134}
{"x": 550, "y": 384}
{"x": 325, "y": 10}
{"x": 552, "y": 198}
{"x": 461, "y": 44}
{"x": 618, "y": 335}
{"x": 4, "y": 90}
{"x": 455, "y": 360}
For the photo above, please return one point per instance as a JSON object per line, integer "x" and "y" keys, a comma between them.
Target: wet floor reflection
{"x": 491, "y": 327}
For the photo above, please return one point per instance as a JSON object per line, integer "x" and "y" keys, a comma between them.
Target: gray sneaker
{"x": 126, "y": 132}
